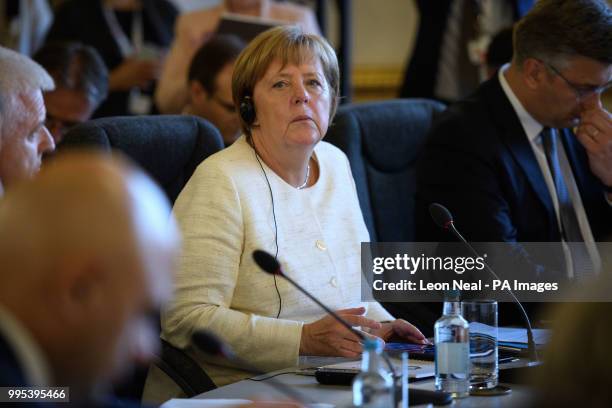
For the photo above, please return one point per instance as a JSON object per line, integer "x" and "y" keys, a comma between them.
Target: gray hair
{"x": 19, "y": 74}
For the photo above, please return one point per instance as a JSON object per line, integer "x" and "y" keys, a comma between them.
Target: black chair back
{"x": 168, "y": 147}
{"x": 382, "y": 141}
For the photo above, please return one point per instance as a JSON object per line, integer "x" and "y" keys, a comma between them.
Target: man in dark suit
{"x": 86, "y": 250}
{"x": 506, "y": 162}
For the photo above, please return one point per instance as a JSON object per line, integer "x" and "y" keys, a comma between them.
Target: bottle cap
{"x": 452, "y": 296}
{"x": 373, "y": 344}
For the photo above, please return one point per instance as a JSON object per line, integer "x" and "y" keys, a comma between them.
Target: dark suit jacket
{"x": 422, "y": 68}
{"x": 12, "y": 375}
{"x": 479, "y": 163}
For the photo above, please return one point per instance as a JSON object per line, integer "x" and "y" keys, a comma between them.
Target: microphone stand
{"x": 531, "y": 346}
{"x": 343, "y": 322}
{"x": 270, "y": 265}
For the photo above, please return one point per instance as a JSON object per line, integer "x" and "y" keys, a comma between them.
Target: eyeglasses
{"x": 581, "y": 91}
{"x": 229, "y": 107}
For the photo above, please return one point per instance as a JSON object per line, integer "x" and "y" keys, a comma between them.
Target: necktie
{"x": 570, "y": 228}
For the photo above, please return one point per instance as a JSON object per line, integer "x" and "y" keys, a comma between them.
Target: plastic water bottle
{"x": 452, "y": 339}
{"x": 373, "y": 386}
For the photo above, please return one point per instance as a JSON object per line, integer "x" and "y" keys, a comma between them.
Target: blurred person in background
{"x": 210, "y": 85}
{"x": 499, "y": 51}
{"x": 194, "y": 28}
{"x": 444, "y": 64}
{"x": 81, "y": 84}
{"x": 131, "y": 36}
{"x": 87, "y": 252}
{"x": 24, "y": 24}
{"x": 577, "y": 359}
{"x": 23, "y": 135}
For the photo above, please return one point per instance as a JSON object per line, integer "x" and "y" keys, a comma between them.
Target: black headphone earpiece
{"x": 247, "y": 110}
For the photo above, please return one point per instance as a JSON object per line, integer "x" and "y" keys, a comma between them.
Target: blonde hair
{"x": 289, "y": 44}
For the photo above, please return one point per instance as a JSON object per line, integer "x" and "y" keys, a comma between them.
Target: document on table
{"x": 416, "y": 368}
{"x": 512, "y": 334}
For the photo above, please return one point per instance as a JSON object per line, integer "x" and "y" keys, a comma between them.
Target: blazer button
{"x": 334, "y": 282}
{"x": 321, "y": 245}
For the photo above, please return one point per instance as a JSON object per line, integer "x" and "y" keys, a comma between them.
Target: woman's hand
{"x": 402, "y": 329}
{"x": 327, "y": 337}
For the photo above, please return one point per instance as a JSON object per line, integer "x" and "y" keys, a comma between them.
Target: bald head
{"x": 84, "y": 203}
{"x": 92, "y": 244}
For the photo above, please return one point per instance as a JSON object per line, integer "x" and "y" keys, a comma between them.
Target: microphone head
{"x": 210, "y": 343}
{"x": 266, "y": 262}
{"x": 440, "y": 215}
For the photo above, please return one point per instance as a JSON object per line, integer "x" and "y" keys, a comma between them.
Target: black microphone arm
{"x": 416, "y": 396}
{"x": 210, "y": 344}
{"x": 444, "y": 219}
{"x": 270, "y": 265}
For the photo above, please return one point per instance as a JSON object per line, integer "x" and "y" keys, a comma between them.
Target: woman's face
{"x": 292, "y": 104}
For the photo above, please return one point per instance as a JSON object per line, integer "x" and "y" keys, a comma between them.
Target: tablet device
{"x": 245, "y": 27}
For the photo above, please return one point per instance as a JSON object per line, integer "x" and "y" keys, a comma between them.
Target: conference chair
{"x": 168, "y": 148}
{"x": 382, "y": 141}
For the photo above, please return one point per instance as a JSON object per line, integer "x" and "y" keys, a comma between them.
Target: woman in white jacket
{"x": 281, "y": 189}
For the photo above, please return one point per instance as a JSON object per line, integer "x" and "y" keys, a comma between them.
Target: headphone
{"x": 247, "y": 110}
{"x": 247, "y": 114}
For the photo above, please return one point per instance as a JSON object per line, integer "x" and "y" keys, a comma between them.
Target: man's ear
{"x": 79, "y": 287}
{"x": 534, "y": 73}
{"x": 197, "y": 91}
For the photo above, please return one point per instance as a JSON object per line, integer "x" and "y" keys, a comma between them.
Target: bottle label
{"x": 452, "y": 358}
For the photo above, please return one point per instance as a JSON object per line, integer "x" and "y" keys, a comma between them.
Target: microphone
{"x": 212, "y": 345}
{"x": 416, "y": 396}
{"x": 444, "y": 219}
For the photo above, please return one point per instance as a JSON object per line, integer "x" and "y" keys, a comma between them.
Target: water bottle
{"x": 452, "y": 339}
{"x": 373, "y": 386}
